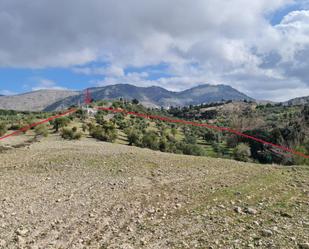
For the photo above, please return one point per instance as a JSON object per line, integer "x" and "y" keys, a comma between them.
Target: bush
{"x": 163, "y": 145}
{"x": 84, "y": 127}
{"x": 232, "y": 141}
{"x": 3, "y": 129}
{"x": 150, "y": 140}
{"x": 134, "y": 137}
{"x": 41, "y": 130}
{"x": 61, "y": 123}
{"x": 242, "y": 152}
{"x": 106, "y": 135}
{"x": 301, "y": 160}
{"x": 192, "y": 149}
{"x": 190, "y": 139}
{"x": 70, "y": 134}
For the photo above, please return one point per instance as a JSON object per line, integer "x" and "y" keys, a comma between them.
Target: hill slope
{"x": 157, "y": 96}
{"x": 297, "y": 101}
{"x": 34, "y": 101}
{"x": 104, "y": 195}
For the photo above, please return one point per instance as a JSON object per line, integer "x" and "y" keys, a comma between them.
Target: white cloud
{"x": 47, "y": 84}
{"x": 205, "y": 41}
{"x": 7, "y": 92}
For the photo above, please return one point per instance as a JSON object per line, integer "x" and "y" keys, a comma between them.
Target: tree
{"x": 174, "y": 131}
{"x": 150, "y": 140}
{"x": 163, "y": 145}
{"x": 134, "y": 137}
{"x": 135, "y": 102}
{"x": 305, "y": 150}
{"x": 70, "y": 134}
{"x": 232, "y": 141}
{"x": 209, "y": 136}
{"x": 3, "y": 129}
{"x": 106, "y": 135}
{"x": 191, "y": 149}
{"x": 242, "y": 152}
{"x": 190, "y": 139}
{"x": 61, "y": 123}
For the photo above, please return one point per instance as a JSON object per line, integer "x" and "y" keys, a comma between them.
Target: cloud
{"x": 208, "y": 41}
{"x": 7, "y": 92}
{"x": 47, "y": 84}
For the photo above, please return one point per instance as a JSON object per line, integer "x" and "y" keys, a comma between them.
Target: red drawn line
{"x": 217, "y": 128}
{"x": 23, "y": 129}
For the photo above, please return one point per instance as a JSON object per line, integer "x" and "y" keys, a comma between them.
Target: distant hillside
{"x": 297, "y": 101}
{"x": 157, "y": 96}
{"x": 34, "y": 101}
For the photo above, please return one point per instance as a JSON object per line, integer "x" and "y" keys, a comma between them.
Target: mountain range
{"x": 51, "y": 100}
{"x": 297, "y": 101}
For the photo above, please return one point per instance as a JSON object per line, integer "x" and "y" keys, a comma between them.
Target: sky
{"x": 260, "y": 47}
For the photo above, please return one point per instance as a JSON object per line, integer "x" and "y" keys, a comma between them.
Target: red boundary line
{"x": 23, "y": 129}
{"x": 217, "y": 128}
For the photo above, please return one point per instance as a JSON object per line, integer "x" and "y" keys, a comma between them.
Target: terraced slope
{"x": 86, "y": 194}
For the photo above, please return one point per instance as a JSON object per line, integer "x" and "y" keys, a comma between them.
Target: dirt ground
{"x": 89, "y": 194}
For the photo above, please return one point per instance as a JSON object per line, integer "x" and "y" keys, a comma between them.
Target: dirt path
{"x": 87, "y": 194}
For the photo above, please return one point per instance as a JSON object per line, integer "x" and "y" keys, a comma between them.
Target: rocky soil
{"x": 86, "y": 194}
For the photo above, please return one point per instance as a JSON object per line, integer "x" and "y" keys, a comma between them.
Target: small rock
{"x": 2, "y": 243}
{"x": 238, "y": 210}
{"x": 178, "y": 205}
{"x": 20, "y": 240}
{"x": 22, "y": 231}
{"x": 143, "y": 241}
{"x": 304, "y": 246}
{"x": 256, "y": 223}
{"x": 266, "y": 233}
{"x": 286, "y": 215}
{"x": 251, "y": 211}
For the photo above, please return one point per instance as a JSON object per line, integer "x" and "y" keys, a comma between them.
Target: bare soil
{"x": 88, "y": 194}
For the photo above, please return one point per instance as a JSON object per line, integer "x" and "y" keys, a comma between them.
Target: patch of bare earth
{"x": 87, "y": 194}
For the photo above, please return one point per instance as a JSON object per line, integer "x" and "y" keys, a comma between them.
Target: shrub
{"x": 190, "y": 139}
{"x": 242, "y": 152}
{"x": 61, "y": 123}
{"x": 69, "y": 134}
{"x": 106, "y": 135}
{"x": 134, "y": 137}
{"x": 84, "y": 127}
{"x": 232, "y": 141}
{"x": 163, "y": 145}
{"x": 41, "y": 130}
{"x": 191, "y": 149}
{"x": 150, "y": 140}
{"x": 301, "y": 160}
{"x": 3, "y": 129}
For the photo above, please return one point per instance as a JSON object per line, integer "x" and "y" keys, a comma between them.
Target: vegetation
{"x": 41, "y": 130}
{"x": 70, "y": 134}
{"x": 60, "y": 123}
{"x": 284, "y": 125}
{"x": 242, "y": 152}
{"x": 3, "y": 129}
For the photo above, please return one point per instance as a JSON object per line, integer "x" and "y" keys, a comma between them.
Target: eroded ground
{"x": 87, "y": 194}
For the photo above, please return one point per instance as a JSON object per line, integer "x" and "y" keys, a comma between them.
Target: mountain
{"x": 34, "y": 101}
{"x": 157, "y": 96}
{"x": 51, "y": 100}
{"x": 297, "y": 101}
{"x": 203, "y": 94}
